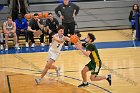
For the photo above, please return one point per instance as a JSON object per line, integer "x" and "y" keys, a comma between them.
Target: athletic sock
{"x": 85, "y": 82}
{"x": 106, "y": 76}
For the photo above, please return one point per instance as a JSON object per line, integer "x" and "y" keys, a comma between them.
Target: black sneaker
{"x": 109, "y": 79}
{"x": 83, "y": 85}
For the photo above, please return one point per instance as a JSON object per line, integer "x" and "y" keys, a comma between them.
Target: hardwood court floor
{"x": 122, "y": 63}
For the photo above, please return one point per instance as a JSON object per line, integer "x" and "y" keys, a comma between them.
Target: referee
{"x": 67, "y": 13}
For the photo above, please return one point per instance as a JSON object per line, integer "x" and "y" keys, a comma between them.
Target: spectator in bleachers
{"x": 9, "y": 28}
{"x": 135, "y": 9}
{"x": 68, "y": 11}
{"x": 51, "y": 26}
{"x": 34, "y": 27}
{"x": 21, "y": 27}
{"x": 1, "y": 37}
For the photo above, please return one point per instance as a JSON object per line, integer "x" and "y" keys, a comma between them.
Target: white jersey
{"x": 56, "y": 47}
{"x": 9, "y": 27}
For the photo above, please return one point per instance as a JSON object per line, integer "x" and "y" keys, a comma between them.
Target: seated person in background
{"x": 1, "y": 37}
{"x": 134, "y": 10}
{"x": 34, "y": 26}
{"x": 21, "y": 27}
{"x": 51, "y": 26}
{"x": 9, "y": 28}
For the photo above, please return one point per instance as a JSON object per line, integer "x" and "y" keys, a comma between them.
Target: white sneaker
{"x": 38, "y": 80}
{"x": 17, "y": 46}
{"x": 33, "y": 45}
{"x": 27, "y": 45}
{"x": 1, "y": 47}
{"x": 42, "y": 44}
{"x": 6, "y": 48}
{"x": 58, "y": 71}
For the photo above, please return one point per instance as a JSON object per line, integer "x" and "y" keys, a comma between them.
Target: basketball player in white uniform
{"x": 9, "y": 28}
{"x": 53, "y": 53}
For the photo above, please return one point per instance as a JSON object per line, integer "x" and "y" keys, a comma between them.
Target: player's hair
{"x": 77, "y": 33}
{"x": 60, "y": 27}
{"x": 36, "y": 14}
{"x": 91, "y": 36}
{"x": 9, "y": 17}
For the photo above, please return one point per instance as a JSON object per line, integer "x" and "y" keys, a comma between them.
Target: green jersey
{"x": 94, "y": 55}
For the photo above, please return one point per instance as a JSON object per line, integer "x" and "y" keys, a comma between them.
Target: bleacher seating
{"x": 96, "y": 15}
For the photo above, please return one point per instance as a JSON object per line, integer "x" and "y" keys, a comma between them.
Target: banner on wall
{"x": 137, "y": 20}
{"x": 1, "y": 7}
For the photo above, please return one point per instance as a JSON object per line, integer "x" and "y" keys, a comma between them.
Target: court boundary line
{"x": 8, "y": 82}
{"x": 65, "y": 77}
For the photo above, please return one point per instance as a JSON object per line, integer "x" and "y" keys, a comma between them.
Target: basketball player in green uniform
{"x": 95, "y": 62}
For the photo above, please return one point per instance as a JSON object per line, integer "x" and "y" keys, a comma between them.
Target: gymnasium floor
{"x": 119, "y": 56}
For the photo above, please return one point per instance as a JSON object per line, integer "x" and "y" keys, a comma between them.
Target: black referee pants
{"x": 69, "y": 28}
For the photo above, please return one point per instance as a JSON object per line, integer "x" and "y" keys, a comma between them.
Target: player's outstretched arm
{"x": 67, "y": 38}
{"x": 80, "y": 47}
{"x": 57, "y": 39}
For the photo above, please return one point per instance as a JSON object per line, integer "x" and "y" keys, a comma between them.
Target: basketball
{"x": 74, "y": 39}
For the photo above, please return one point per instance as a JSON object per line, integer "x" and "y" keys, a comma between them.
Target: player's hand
{"x": 62, "y": 17}
{"x": 78, "y": 46}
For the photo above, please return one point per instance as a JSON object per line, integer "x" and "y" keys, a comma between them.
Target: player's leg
{"x": 84, "y": 77}
{"x": 94, "y": 77}
{"x": 57, "y": 69}
{"x": 47, "y": 67}
{"x": 94, "y": 74}
{"x": 84, "y": 73}
{"x": 53, "y": 67}
{"x": 54, "y": 56}
{"x": 45, "y": 70}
